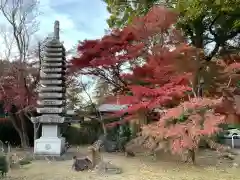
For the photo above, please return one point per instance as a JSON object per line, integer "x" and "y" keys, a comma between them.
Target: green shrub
{"x": 4, "y": 166}
{"x": 24, "y": 162}
{"x": 86, "y": 133}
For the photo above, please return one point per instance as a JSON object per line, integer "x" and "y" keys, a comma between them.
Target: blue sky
{"x": 79, "y": 19}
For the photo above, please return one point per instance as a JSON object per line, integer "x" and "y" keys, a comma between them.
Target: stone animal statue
{"x": 97, "y": 160}
{"x": 81, "y": 164}
{"x": 108, "y": 168}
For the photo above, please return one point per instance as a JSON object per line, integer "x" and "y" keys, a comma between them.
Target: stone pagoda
{"x": 51, "y": 99}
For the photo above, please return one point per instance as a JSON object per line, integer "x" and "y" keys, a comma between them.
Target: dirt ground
{"x": 137, "y": 168}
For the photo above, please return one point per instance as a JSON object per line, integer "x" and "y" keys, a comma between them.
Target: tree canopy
{"x": 162, "y": 67}
{"x": 212, "y": 25}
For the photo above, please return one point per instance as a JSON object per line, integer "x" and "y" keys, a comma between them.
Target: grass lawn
{"x": 133, "y": 169}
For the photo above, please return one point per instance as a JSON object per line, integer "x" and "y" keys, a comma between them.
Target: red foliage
{"x": 156, "y": 52}
{"x": 199, "y": 121}
{"x": 165, "y": 82}
{"x": 17, "y": 85}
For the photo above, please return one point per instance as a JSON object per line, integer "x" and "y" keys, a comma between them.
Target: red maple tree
{"x": 162, "y": 67}
{"x": 18, "y": 82}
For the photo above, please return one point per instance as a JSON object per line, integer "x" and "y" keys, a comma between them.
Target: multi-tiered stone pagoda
{"x": 51, "y": 98}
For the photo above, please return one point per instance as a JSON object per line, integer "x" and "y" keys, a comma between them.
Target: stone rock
{"x": 108, "y": 168}
{"x": 3, "y": 147}
{"x": 108, "y": 145}
{"x": 113, "y": 146}
{"x": 122, "y": 141}
{"x": 235, "y": 165}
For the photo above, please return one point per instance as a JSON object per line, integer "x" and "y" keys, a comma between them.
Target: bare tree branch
{"x": 20, "y": 16}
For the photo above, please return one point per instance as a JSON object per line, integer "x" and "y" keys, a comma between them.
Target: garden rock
{"x": 3, "y": 147}
{"x": 108, "y": 145}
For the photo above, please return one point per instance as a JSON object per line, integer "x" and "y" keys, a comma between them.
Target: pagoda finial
{"x": 56, "y": 30}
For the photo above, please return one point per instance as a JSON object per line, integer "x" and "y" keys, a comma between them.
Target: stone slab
{"x": 53, "y": 59}
{"x": 52, "y": 146}
{"x": 52, "y": 70}
{"x": 51, "y": 64}
{"x": 45, "y": 75}
{"x": 52, "y": 44}
{"x": 54, "y": 54}
{"x": 53, "y": 82}
{"x": 48, "y": 119}
{"x": 50, "y": 95}
{"x": 49, "y": 102}
{"x": 51, "y": 88}
{"x": 50, "y": 110}
{"x": 49, "y": 49}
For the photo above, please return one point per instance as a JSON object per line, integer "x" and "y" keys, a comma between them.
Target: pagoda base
{"x": 49, "y": 146}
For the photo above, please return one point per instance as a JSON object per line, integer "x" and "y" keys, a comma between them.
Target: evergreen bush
{"x": 4, "y": 165}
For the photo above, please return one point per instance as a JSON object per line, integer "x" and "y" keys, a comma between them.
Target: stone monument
{"x": 51, "y": 98}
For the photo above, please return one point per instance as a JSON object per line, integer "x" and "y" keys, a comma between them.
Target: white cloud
{"x": 69, "y": 32}
{"x": 68, "y": 29}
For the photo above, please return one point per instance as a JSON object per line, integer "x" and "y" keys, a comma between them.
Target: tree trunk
{"x": 104, "y": 128}
{"x": 133, "y": 128}
{"x": 23, "y": 139}
{"x": 192, "y": 154}
{"x": 140, "y": 121}
{"x": 35, "y": 130}
{"x": 24, "y": 133}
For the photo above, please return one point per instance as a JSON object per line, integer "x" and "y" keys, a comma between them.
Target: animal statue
{"x": 108, "y": 168}
{"x": 81, "y": 164}
{"x": 95, "y": 162}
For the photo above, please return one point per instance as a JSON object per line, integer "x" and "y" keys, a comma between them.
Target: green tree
{"x": 122, "y": 12}
{"x": 213, "y": 25}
